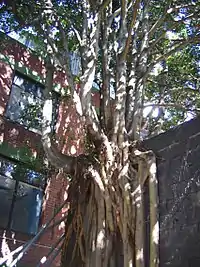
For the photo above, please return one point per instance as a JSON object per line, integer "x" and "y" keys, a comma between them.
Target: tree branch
{"x": 133, "y": 20}
{"x": 105, "y": 111}
{"x": 173, "y": 105}
{"x": 158, "y": 23}
{"x": 78, "y": 36}
{"x": 134, "y": 126}
{"x": 173, "y": 50}
{"x": 168, "y": 11}
{"x": 104, "y": 5}
{"x": 114, "y": 15}
{"x": 55, "y": 157}
{"x": 120, "y": 100}
{"x": 174, "y": 24}
{"x": 66, "y": 59}
{"x": 91, "y": 51}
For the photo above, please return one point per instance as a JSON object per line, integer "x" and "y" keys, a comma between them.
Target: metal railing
{"x": 47, "y": 260}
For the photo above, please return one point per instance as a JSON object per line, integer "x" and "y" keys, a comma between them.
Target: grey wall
{"x": 178, "y": 159}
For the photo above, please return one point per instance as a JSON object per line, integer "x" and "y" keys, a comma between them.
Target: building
{"x": 29, "y": 193}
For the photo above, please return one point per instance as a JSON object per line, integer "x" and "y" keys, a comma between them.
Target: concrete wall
{"x": 178, "y": 158}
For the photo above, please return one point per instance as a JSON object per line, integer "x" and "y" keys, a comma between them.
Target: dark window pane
{"x": 31, "y": 177}
{"x": 26, "y": 199}
{"x": 24, "y": 108}
{"x": 35, "y": 178}
{"x": 19, "y": 172}
{"x": 15, "y": 105}
{"x": 18, "y": 80}
{"x": 28, "y": 86}
{"x": 26, "y": 102}
{"x": 40, "y": 92}
{"x": 27, "y": 208}
{"x": 7, "y": 187}
{"x": 7, "y": 168}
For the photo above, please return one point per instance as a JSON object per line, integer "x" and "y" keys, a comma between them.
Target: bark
{"x": 139, "y": 79}
{"x": 109, "y": 200}
{"x": 108, "y": 203}
{"x": 106, "y": 192}
{"x": 139, "y": 242}
{"x": 105, "y": 107}
{"x": 120, "y": 99}
{"x": 154, "y": 220}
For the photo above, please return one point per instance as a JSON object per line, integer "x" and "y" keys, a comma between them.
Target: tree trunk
{"x": 106, "y": 213}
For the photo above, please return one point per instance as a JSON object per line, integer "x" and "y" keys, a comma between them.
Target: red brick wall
{"x": 69, "y": 129}
{"x": 70, "y": 136}
{"x": 10, "y": 241}
{"x": 5, "y": 84}
{"x": 55, "y": 194}
{"x": 19, "y": 54}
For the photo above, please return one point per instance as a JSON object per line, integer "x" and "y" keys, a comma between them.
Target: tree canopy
{"x": 168, "y": 48}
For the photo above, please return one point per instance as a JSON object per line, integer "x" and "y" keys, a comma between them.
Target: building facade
{"x": 30, "y": 193}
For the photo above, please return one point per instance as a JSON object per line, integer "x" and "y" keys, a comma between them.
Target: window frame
{"x": 15, "y": 192}
{"x": 56, "y": 96}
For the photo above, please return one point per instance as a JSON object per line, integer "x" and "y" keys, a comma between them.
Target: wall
{"x": 19, "y": 143}
{"x": 178, "y": 158}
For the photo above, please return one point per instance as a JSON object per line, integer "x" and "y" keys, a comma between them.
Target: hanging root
{"x": 106, "y": 215}
{"x": 154, "y": 218}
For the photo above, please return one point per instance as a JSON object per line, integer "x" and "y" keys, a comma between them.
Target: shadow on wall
{"x": 70, "y": 130}
{"x": 23, "y": 145}
{"x": 5, "y": 85}
{"x": 20, "y": 144}
{"x": 178, "y": 154}
{"x": 17, "y": 57}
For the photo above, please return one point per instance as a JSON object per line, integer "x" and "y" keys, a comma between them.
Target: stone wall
{"x": 178, "y": 163}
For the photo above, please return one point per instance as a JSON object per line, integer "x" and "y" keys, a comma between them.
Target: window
{"x": 21, "y": 194}
{"x": 75, "y": 63}
{"x": 26, "y": 102}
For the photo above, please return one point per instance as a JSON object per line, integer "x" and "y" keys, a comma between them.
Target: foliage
{"x": 181, "y": 68}
{"x": 179, "y": 23}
